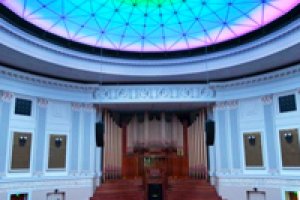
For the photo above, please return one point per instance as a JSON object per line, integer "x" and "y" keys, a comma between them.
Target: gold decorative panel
{"x": 21, "y": 149}
{"x": 57, "y": 151}
{"x": 290, "y": 147}
{"x": 253, "y": 149}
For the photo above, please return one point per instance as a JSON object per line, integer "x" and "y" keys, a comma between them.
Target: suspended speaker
{"x": 99, "y": 134}
{"x": 210, "y": 132}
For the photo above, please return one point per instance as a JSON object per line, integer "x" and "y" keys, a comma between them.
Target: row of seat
{"x": 190, "y": 189}
{"x": 177, "y": 189}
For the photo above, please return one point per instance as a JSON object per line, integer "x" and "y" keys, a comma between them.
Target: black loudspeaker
{"x": 210, "y": 132}
{"x": 99, "y": 134}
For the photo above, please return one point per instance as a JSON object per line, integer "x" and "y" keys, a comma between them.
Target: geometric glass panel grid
{"x": 150, "y": 25}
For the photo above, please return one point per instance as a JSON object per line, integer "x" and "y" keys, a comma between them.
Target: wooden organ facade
{"x": 154, "y": 149}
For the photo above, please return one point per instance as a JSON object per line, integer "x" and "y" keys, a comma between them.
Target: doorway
{"x": 256, "y": 195}
{"x": 155, "y": 192}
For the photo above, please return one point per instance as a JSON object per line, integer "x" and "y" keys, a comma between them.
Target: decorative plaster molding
{"x": 42, "y": 81}
{"x": 155, "y": 93}
{"x": 146, "y": 93}
{"x": 82, "y": 106}
{"x": 7, "y": 96}
{"x": 227, "y": 104}
{"x": 268, "y": 99}
{"x": 45, "y": 183}
{"x": 259, "y": 79}
{"x": 76, "y": 106}
{"x": 258, "y": 182}
{"x": 42, "y": 102}
{"x": 232, "y": 104}
{"x": 220, "y": 105}
{"x": 87, "y": 107}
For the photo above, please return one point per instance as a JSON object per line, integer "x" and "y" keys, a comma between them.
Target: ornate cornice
{"x": 259, "y": 79}
{"x": 148, "y": 93}
{"x": 42, "y": 81}
{"x": 7, "y": 96}
{"x": 155, "y": 93}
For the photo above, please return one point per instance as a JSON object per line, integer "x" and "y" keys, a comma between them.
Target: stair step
{"x": 177, "y": 189}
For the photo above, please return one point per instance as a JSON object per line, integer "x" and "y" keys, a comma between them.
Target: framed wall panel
{"x": 23, "y": 107}
{"x": 18, "y": 197}
{"x": 21, "y": 151}
{"x": 57, "y": 151}
{"x": 253, "y": 149}
{"x": 252, "y": 195}
{"x": 287, "y": 103}
{"x": 56, "y": 196}
{"x": 290, "y": 147}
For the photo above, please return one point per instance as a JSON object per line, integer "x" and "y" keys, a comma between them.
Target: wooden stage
{"x": 150, "y": 176}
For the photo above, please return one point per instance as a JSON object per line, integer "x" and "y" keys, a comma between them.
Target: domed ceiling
{"x": 150, "y": 25}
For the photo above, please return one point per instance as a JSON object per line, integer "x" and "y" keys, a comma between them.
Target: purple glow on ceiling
{"x": 150, "y": 25}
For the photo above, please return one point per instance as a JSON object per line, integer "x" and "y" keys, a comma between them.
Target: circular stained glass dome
{"x": 150, "y": 25}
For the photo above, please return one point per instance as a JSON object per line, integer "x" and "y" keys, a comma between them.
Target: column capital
{"x": 268, "y": 99}
{"x": 76, "y": 106}
{"x": 232, "y": 104}
{"x": 42, "y": 102}
{"x": 6, "y": 96}
{"x": 87, "y": 106}
{"x": 227, "y": 104}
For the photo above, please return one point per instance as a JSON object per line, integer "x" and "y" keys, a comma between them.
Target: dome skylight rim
{"x": 134, "y": 41}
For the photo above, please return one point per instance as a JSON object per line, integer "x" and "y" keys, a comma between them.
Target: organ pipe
{"x": 112, "y": 148}
{"x": 197, "y": 148}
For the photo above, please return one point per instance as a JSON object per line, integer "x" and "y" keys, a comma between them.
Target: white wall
{"x": 50, "y": 117}
{"x": 257, "y": 114}
{"x": 244, "y": 105}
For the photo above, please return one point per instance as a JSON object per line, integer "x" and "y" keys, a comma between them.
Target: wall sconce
{"x": 58, "y": 142}
{"x": 251, "y": 140}
{"x": 22, "y": 140}
{"x": 288, "y": 137}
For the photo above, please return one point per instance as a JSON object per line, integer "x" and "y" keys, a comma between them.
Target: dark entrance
{"x": 155, "y": 192}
